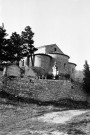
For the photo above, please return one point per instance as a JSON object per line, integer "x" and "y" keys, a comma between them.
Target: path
{"x": 60, "y": 117}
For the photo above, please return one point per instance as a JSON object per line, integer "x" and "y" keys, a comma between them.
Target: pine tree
{"x": 15, "y": 48}
{"x": 27, "y": 39}
{"x": 86, "y": 79}
{"x": 3, "y": 44}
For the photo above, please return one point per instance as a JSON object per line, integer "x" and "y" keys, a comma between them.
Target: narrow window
{"x": 73, "y": 70}
{"x": 22, "y": 62}
{"x": 55, "y": 49}
{"x": 64, "y": 65}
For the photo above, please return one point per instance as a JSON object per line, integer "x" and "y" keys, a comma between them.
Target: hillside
{"x": 43, "y": 120}
{"x": 21, "y": 115}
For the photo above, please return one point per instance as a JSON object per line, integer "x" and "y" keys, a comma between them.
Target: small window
{"x": 73, "y": 70}
{"x": 55, "y": 49}
{"x": 22, "y": 62}
{"x": 64, "y": 65}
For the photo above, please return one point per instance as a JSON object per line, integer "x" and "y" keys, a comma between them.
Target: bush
{"x": 67, "y": 76}
{"x": 49, "y": 76}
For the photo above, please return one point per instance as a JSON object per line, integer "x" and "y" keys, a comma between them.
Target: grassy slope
{"x": 16, "y": 117}
{"x": 23, "y": 120}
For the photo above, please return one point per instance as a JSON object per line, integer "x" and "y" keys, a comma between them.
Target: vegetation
{"x": 79, "y": 75}
{"x": 86, "y": 79}
{"x": 27, "y": 39}
{"x": 17, "y": 46}
{"x": 58, "y": 77}
{"x": 67, "y": 76}
{"x": 3, "y": 44}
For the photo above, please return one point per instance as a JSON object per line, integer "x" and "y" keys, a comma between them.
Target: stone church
{"x": 49, "y": 56}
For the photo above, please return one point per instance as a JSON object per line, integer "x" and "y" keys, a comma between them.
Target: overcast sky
{"x": 64, "y": 22}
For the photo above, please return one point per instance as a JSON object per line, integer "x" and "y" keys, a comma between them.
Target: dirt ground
{"x": 43, "y": 120}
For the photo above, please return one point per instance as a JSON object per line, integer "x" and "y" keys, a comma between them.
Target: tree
{"x": 27, "y": 39}
{"x": 3, "y": 44}
{"x": 15, "y": 48}
{"x": 86, "y": 79}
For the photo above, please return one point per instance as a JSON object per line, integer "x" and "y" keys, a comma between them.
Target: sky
{"x": 62, "y": 22}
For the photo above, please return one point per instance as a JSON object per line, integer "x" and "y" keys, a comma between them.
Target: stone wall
{"x": 52, "y": 49}
{"x": 13, "y": 70}
{"x": 62, "y": 62}
{"x": 44, "y": 90}
{"x": 72, "y": 70}
{"x": 42, "y": 61}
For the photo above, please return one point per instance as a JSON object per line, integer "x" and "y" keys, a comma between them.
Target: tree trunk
{"x": 28, "y": 61}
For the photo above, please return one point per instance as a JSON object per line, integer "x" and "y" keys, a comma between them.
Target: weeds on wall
{"x": 58, "y": 77}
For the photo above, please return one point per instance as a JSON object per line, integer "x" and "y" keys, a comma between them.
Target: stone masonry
{"x": 44, "y": 90}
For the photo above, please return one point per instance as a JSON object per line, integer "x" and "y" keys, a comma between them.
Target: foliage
{"x": 17, "y": 46}
{"x": 3, "y": 44}
{"x": 49, "y": 76}
{"x": 59, "y": 76}
{"x": 86, "y": 79}
{"x": 27, "y": 39}
{"x": 67, "y": 76}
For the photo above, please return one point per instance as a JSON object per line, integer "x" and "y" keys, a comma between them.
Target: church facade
{"x": 49, "y": 56}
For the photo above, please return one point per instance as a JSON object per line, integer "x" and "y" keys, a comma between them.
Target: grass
{"x": 19, "y": 116}
{"x": 23, "y": 120}
{"x": 68, "y": 103}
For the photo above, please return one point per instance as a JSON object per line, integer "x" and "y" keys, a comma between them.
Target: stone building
{"x": 47, "y": 56}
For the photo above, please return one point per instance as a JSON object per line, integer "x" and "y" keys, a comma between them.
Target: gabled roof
{"x": 61, "y": 54}
{"x": 49, "y": 46}
{"x": 72, "y": 63}
{"x": 45, "y": 46}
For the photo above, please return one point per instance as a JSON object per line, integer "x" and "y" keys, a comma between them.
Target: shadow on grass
{"x": 64, "y": 103}
{"x": 76, "y": 132}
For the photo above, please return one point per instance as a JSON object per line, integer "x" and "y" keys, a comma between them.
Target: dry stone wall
{"x": 44, "y": 90}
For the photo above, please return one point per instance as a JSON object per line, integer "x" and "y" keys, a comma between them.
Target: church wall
{"x": 52, "y": 49}
{"x": 45, "y": 58}
{"x": 72, "y": 70}
{"x": 42, "y": 61}
{"x": 62, "y": 62}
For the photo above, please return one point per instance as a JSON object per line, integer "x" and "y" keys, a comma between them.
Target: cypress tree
{"x": 86, "y": 79}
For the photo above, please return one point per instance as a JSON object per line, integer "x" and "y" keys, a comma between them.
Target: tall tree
{"x": 15, "y": 48}
{"x": 86, "y": 79}
{"x": 3, "y": 43}
{"x": 29, "y": 49}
